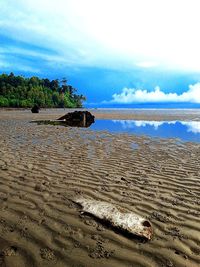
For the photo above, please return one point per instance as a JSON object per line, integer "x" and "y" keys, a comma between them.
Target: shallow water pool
{"x": 184, "y": 130}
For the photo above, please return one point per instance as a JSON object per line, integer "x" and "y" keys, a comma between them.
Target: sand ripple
{"x": 43, "y": 168}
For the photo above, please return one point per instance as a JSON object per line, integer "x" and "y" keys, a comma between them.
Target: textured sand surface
{"x": 44, "y": 167}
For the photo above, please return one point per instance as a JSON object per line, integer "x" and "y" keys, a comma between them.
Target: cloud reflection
{"x": 192, "y": 126}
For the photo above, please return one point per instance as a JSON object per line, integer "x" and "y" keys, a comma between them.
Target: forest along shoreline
{"x": 17, "y": 91}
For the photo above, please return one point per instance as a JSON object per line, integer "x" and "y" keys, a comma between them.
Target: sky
{"x": 122, "y": 52}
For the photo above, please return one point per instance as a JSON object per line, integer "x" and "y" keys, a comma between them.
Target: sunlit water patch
{"x": 184, "y": 130}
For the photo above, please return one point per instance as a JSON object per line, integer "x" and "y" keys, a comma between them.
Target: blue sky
{"x": 118, "y": 52}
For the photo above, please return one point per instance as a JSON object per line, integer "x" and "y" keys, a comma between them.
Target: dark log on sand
{"x": 78, "y": 118}
{"x": 35, "y": 109}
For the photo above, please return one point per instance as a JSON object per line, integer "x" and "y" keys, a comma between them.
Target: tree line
{"x": 17, "y": 91}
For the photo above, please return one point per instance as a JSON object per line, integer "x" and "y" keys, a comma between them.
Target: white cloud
{"x": 147, "y": 64}
{"x": 131, "y": 95}
{"x": 109, "y": 33}
{"x": 12, "y": 50}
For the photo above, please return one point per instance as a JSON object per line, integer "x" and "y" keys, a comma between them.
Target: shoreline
{"x": 129, "y": 114}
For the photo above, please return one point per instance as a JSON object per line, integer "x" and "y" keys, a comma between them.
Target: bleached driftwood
{"x": 117, "y": 217}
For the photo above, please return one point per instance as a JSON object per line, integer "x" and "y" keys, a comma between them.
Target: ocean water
{"x": 149, "y": 111}
{"x": 184, "y": 130}
{"x": 146, "y": 106}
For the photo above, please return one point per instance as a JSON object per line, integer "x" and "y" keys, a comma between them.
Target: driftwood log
{"x": 118, "y": 217}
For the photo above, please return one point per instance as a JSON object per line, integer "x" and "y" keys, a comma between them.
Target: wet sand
{"x": 44, "y": 167}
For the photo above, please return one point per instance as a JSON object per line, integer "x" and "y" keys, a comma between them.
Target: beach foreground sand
{"x": 44, "y": 167}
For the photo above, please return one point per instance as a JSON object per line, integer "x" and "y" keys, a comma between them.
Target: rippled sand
{"x": 43, "y": 167}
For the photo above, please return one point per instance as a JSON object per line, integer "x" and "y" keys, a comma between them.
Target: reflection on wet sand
{"x": 83, "y": 124}
{"x": 184, "y": 130}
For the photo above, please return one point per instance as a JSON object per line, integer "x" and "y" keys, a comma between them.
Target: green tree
{"x": 17, "y": 91}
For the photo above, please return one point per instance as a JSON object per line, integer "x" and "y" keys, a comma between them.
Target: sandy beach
{"x": 44, "y": 167}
